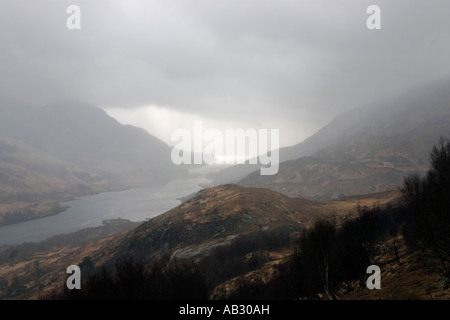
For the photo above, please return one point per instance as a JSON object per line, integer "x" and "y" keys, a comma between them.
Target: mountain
{"x": 88, "y": 137}
{"x": 216, "y": 215}
{"x": 230, "y": 217}
{"x": 319, "y": 179}
{"x": 55, "y": 152}
{"x": 244, "y": 250}
{"x": 418, "y": 111}
{"x": 368, "y": 149}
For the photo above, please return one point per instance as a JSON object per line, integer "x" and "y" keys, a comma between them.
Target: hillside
{"x": 319, "y": 179}
{"x": 251, "y": 243}
{"x": 415, "y": 116}
{"x": 241, "y": 239}
{"x": 227, "y": 241}
{"x": 368, "y": 149}
{"x": 53, "y": 153}
{"x": 32, "y": 182}
{"x": 214, "y": 218}
{"x": 87, "y": 137}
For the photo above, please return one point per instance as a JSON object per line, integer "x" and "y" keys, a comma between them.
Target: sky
{"x": 290, "y": 65}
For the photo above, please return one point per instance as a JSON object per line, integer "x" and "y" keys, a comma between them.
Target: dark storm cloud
{"x": 252, "y": 59}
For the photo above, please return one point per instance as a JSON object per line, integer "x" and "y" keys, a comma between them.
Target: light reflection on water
{"x": 137, "y": 204}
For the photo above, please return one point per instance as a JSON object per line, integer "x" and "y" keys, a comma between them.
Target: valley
{"x": 336, "y": 205}
{"x": 363, "y": 150}
{"x": 212, "y": 219}
{"x": 55, "y": 153}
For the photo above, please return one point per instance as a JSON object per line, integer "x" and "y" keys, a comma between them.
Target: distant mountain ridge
{"x": 396, "y": 133}
{"x": 70, "y": 149}
{"x": 319, "y": 179}
{"x": 413, "y": 110}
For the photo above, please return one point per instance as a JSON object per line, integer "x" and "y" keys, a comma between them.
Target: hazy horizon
{"x": 160, "y": 65}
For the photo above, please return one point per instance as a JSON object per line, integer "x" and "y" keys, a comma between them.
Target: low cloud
{"x": 261, "y": 64}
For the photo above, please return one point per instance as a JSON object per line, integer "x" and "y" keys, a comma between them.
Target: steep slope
{"x": 418, "y": 115}
{"x": 391, "y": 130}
{"x": 89, "y": 138}
{"x": 218, "y": 214}
{"x": 53, "y": 153}
{"x": 318, "y": 179}
{"x": 31, "y": 182}
{"x": 376, "y": 145}
{"x": 213, "y": 218}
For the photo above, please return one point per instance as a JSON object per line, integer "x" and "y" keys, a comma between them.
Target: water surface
{"x": 137, "y": 204}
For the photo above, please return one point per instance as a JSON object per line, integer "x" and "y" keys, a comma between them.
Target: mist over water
{"x": 137, "y": 204}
